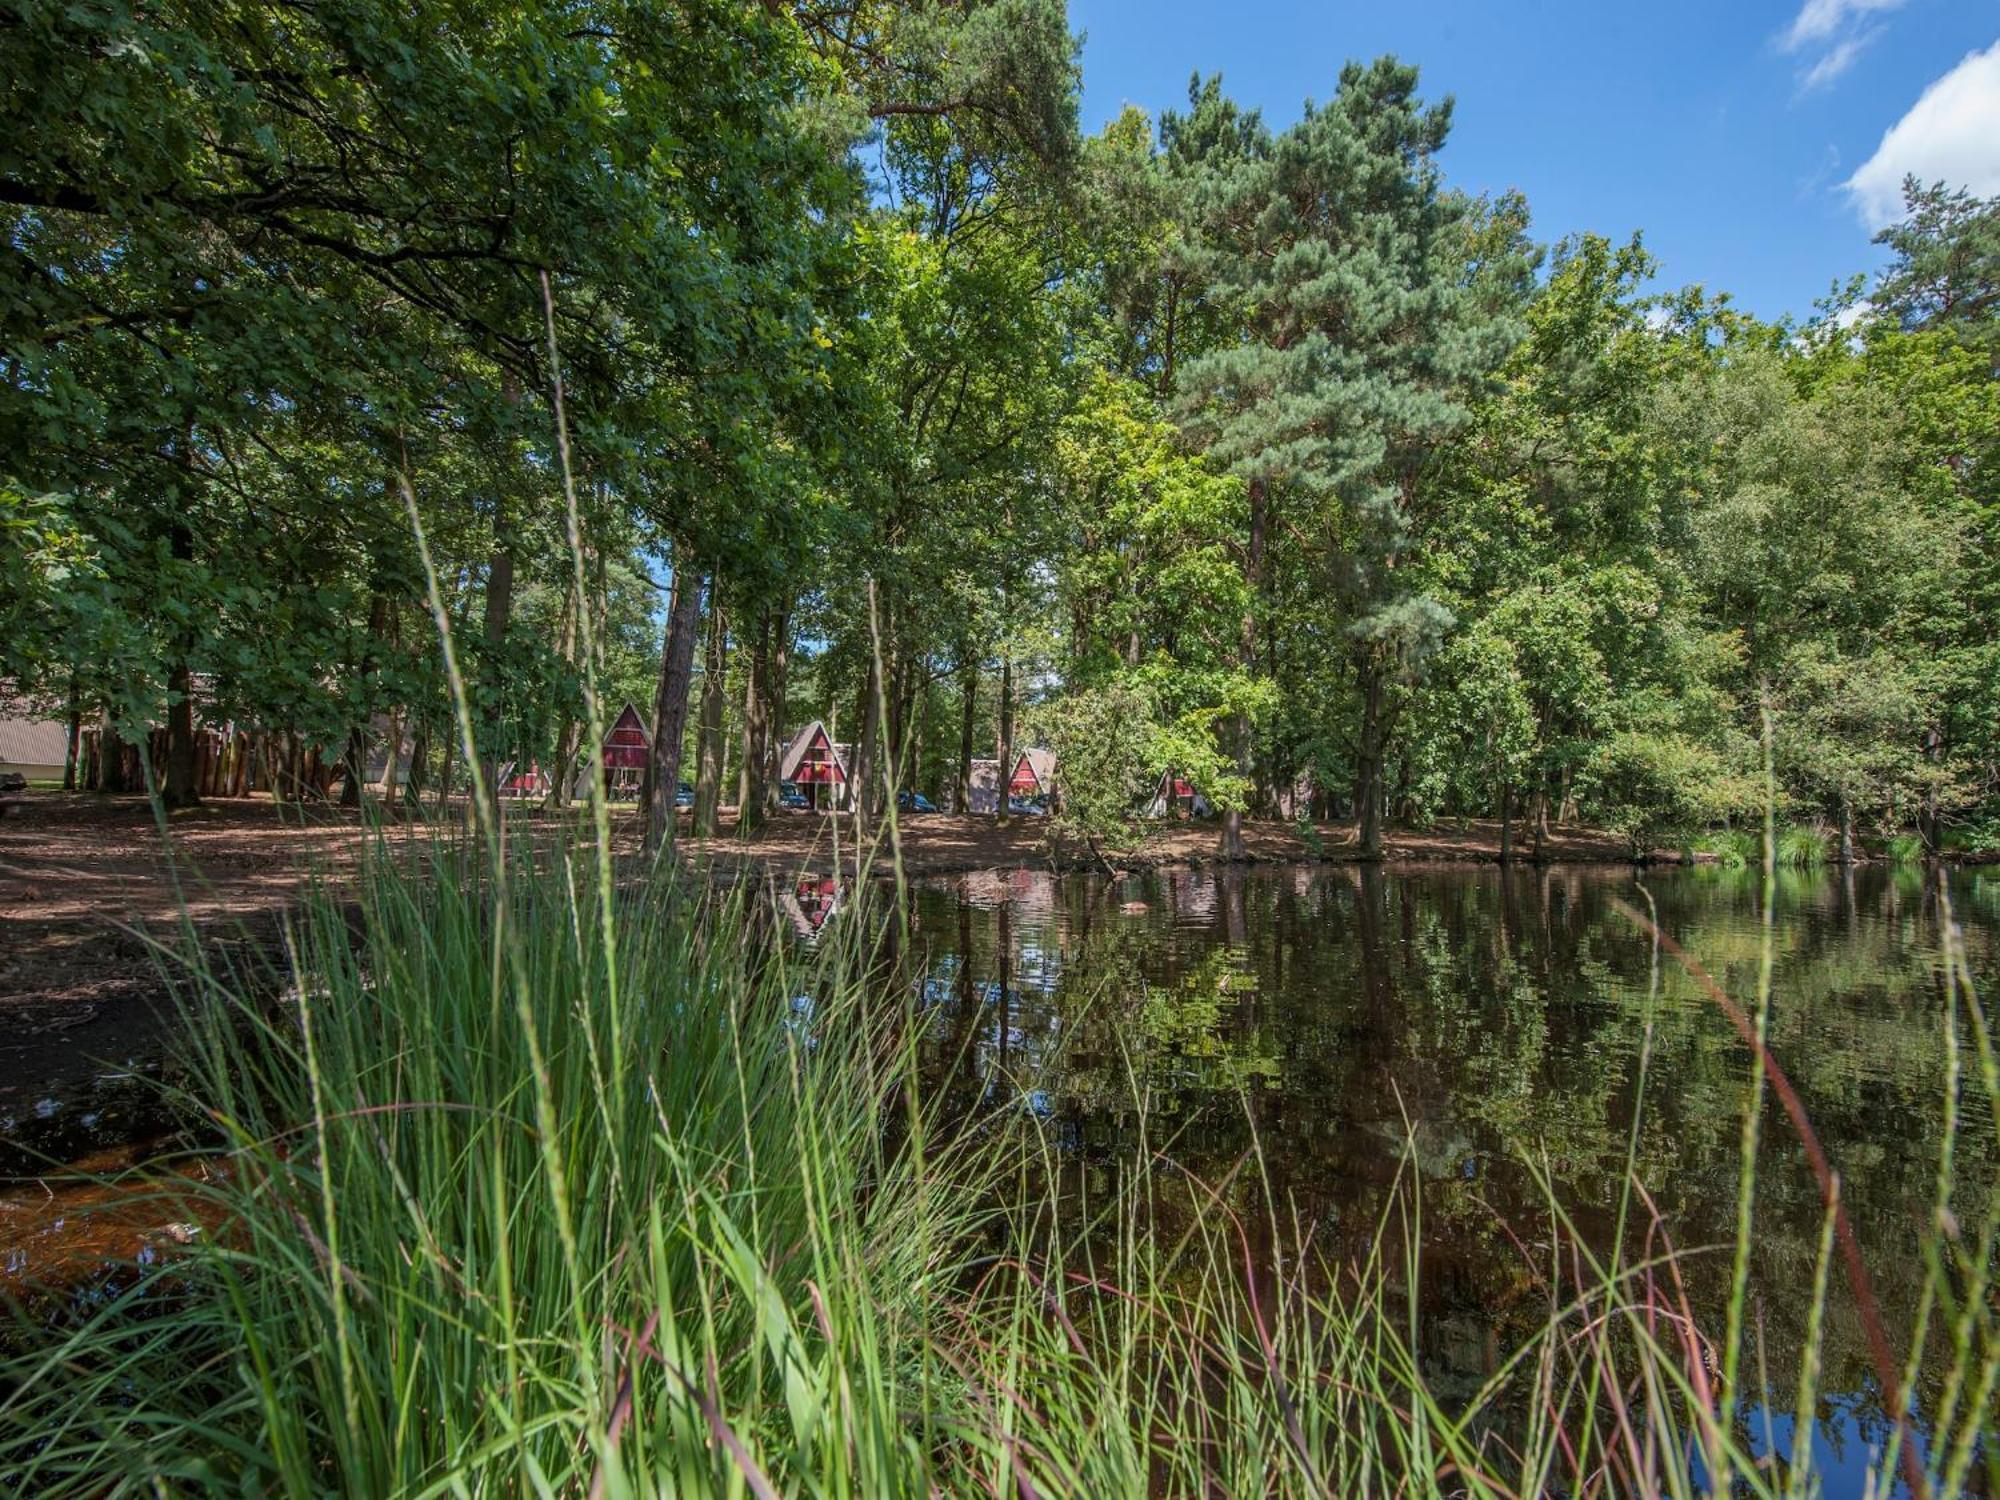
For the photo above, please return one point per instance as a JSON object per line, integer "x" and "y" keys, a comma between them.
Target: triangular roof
{"x": 812, "y": 737}
{"x": 629, "y": 729}
{"x": 1040, "y": 765}
{"x": 627, "y": 747}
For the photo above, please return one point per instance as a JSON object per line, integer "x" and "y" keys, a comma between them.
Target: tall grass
{"x": 1905, "y": 849}
{"x": 464, "y": 1245}
{"x": 464, "y": 1239}
{"x": 1803, "y": 847}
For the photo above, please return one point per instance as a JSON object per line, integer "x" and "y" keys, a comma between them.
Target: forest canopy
{"x": 1264, "y": 457}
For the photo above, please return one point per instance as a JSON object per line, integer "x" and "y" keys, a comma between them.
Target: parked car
{"x": 914, "y": 802}
{"x": 791, "y": 799}
{"x": 1028, "y": 807}
{"x": 683, "y": 796}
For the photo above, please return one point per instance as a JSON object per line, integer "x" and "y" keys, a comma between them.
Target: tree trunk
{"x": 708, "y": 754}
{"x": 670, "y": 707}
{"x": 919, "y": 713}
{"x": 568, "y": 740}
{"x": 968, "y": 688}
{"x": 1846, "y": 833}
{"x": 1253, "y": 583}
{"x": 420, "y": 755}
{"x": 776, "y": 687}
{"x": 393, "y": 754}
{"x": 1003, "y": 772}
{"x": 1506, "y": 823}
{"x": 179, "y": 790}
{"x": 1368, "y": 755}
{"x": 444, "y": 775}
{"x": 896, "y": 763}
{"x": 499, "y": 613}
{"x": 356, "y": 759}
{"x": 888, "y": 672}
{"x": 861, "y": 769}
{"x": 72, "y": 738}
{"x": 1930, "y": 824}
{"x": 750, "y": 774}
{"x": 110, "y": 756}
{"x": 354, "y": 765}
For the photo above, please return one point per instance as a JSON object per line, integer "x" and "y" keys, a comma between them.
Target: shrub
{"x": 1733, "y": 848}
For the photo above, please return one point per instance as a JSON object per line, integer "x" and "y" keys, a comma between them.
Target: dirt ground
{"x": 944, "y": 843}
{"x": 87, "y": 887}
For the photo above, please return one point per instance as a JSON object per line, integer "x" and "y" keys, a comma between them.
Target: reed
{"x": 463, "y": 1244}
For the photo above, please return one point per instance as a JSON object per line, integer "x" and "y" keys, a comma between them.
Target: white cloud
{"x": 1950, "y": 135}
{"x": 1834, "y": 32}
{"x": 1835, "y": 62}
{"x": 1822, "y": 20}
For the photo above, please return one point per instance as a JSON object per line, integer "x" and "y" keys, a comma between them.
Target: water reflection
{"x": 1343, "y": 1017}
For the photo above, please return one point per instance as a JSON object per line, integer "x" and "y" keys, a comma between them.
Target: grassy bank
{"x": 533, "y": 1187}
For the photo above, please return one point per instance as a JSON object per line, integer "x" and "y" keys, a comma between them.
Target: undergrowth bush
{"x": 1732, "y": 848}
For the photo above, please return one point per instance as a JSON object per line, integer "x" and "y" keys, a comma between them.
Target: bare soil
{"x": 90, "y": 888}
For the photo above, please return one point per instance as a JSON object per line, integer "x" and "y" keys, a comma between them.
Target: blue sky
{"x": 1756, "y": 146}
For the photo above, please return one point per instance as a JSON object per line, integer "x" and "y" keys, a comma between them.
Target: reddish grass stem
{"x": 1850, "y": 1248}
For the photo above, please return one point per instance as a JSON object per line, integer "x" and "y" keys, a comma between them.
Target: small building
{"x": 816, "y": 766}
{"x": 34, "y": 748}
{"x": 979, "y": 795}
{"x": 1034, "y": 776}
{"x": 1174, "y": 796}
{"x": 523, "y": 782}
{"x": 626, "y": 751}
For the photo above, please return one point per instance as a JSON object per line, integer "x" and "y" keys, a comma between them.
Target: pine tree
{"x": 1364, "y": 329}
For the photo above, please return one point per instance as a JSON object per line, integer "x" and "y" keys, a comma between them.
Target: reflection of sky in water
{"x": 1459, "y": 1019}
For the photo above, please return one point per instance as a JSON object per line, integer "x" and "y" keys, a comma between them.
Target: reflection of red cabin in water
{"x": 810, "y": 903}
{"x": 626, "y": 750}
{"x": 817, "y": 899}
{"x": 814, "y": 764}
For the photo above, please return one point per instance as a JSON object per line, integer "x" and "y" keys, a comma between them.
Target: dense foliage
{"x": 937, "y": 421}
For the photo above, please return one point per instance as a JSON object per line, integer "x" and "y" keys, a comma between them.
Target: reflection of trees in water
{"x": 1497, "y": 1015}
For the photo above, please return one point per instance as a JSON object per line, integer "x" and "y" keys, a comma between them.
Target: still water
{"x": 1460, "y": 1025}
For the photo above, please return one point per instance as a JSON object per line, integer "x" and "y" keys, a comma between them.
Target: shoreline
{"x": 87, "y": 894}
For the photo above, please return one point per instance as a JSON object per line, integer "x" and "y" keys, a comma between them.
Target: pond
{"x": 1459, "y": 1025}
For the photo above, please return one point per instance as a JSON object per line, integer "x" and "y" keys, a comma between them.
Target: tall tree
{"x": 1364, "y": 332}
